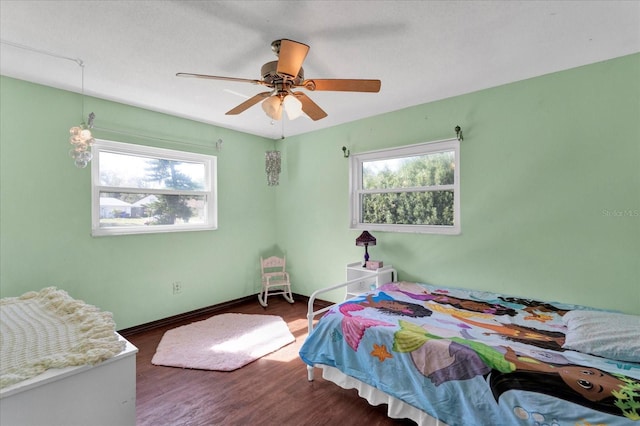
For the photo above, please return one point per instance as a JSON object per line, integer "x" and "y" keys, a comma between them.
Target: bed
{"x": 451, "y": 356}
{"x": 62, "y": 363}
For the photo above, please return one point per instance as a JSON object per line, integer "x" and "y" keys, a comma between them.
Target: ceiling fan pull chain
{"x": 282, "y": 137}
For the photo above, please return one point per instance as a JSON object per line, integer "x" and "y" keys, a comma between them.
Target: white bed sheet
{"x": 396, "y": 408}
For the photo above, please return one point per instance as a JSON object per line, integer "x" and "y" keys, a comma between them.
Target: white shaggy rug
{"x": 223, "y": 342}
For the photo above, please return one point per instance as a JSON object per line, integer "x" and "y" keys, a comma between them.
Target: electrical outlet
{"x": 177, "y": 287}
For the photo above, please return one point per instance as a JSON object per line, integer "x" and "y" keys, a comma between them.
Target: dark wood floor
{"x": 270, "y": 391}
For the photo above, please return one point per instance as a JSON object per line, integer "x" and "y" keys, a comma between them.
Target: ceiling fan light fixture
{"x": 292, "y": 106}
{"x": 272, "y": 106}
{"x": 285, "y": 74}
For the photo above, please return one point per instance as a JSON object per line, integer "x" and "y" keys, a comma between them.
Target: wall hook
{"x": 345, "y": 152}
{"x": 459, "y": 133}
{"x": 92, "y": 117}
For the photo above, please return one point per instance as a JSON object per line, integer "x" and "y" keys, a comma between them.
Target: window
{"x": 139, "y": 189}
{"x": 414, "y": 188}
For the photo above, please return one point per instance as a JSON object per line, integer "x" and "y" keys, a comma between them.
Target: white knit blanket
{"x": 49, "y": 329}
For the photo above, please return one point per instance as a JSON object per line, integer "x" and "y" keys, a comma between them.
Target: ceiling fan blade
{"x": 342, "y": 85}
{"x": 216, "y": 77}
{"x": 248, "y": 103}
{"x": 291, "y": 57}
{"x": 309, "y": 107}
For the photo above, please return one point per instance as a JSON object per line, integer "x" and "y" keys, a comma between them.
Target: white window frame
{"x": 356, "y": 186}
{"x": 210, "y": 192}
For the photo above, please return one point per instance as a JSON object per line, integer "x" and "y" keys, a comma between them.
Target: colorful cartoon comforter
{"x": 474, "y": 358}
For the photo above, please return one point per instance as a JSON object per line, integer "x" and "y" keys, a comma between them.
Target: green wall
{"x": 45, "y": 212}
{"x": 542, "y": 162}
{"x": 550, "y": 186}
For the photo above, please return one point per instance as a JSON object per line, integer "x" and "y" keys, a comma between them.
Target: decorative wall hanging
{"x": 272, "y": 167}
{"x": 81, "y": 137}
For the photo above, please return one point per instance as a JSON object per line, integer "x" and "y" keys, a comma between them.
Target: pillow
{"x": 606, "y": 334}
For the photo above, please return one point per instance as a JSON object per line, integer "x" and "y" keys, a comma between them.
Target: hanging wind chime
{"x": 81, "y": 137}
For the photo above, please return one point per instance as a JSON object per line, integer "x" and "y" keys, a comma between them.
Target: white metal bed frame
{"x": 311, "y": 314}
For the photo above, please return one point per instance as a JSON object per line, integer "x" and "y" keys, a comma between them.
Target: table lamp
{"x": 366, "y": 239}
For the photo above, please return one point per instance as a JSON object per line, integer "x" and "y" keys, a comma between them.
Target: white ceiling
{"x": 421, "y": 50}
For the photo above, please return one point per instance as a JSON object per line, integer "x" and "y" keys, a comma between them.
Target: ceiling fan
{"x": 285, "y": 74}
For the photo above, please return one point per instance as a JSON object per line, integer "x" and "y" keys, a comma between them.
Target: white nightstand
{"x": 369, "y": 280}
